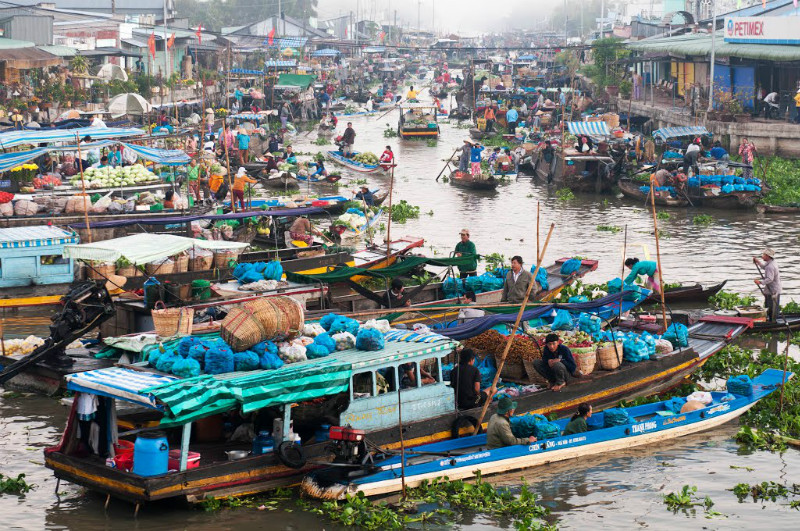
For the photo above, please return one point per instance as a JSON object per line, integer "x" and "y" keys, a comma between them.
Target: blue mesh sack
{"x": 563, "y": 321}
{"x": 614, "y": 285}
{"x": 536, "y": 425}
{"x": 328, "y": 320}
{"x": 591, "y": 324}
{"x": 369, "y": 339}
{"x": 488, "y": 369}
{"x": 165, "y": 362}
{"x": 541, "y": 277}
{"x": 186, "y": 368}
{"x": 635, "y": 349}
{"x": 153, "y": 355}
{"x": 740, "y": 385}
{"x": 264, "y": 346}
{"x": 570, "y": 266}
{"x": 615, "y": 417}
{"x": 269, "y": 360}
{"x": 675, "y": 404}
{"x": 219, "y": 360}
{"x": 198, "y": 353}
{"x": 185, "y": 344}
{"x": 245, "y": 361}
{"x": 677, "y": 334}
{"x": 315, "y": 350}
{"x": 344, "y": 324}
{"x": 474, "y": 283}
{"x": 326, "y": 341}
{"x": 452, "y": 288}
{"x": 273, "y": 270}
{"x": 241, "y": 269}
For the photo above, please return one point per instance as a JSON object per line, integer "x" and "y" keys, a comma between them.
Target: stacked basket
{"x": 101, "y": 271}
{"x": 273, "y": 318}
{"x": 585, "y": 358}
{"x": 609, "y": 355}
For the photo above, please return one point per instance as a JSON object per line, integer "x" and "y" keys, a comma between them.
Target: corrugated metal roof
{"x": 700, "y": 45}
{"x": 60, "y": 51}
{"x": 11, "y": 44}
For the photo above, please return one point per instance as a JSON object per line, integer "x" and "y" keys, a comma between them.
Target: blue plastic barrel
{"x": 263, "y": 443}
{"x": 151, "y": 454}
{"x": 322, "y": 434}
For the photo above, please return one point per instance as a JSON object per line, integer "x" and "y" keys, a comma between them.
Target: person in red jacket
{"x": 387, "y": 158}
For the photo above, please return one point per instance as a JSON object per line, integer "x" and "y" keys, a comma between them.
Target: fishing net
{"x": 740, "y": 385}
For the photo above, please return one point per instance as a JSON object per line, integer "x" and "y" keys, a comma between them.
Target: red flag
{"x": 199, "y": 34}
{"x": 382, "y": 36}
{"x": 271, "y": 36}
{"x": 151, "y": 43}
{"x": 171, "y": 42}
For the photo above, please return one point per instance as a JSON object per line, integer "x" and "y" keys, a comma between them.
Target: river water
{"x": 622, "y": 489}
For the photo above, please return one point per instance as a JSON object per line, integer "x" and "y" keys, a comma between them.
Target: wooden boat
{"x": 787, "y": 321}
{"x": 388, "y": 472}
{"x": 429, "y": 413}
{"x": 467, "y": 180}
{"x": 282, "y": 181}
{"x": 778, "y": 209}
{"x": 409, "y": 127}
{"x": 349, "y": 163}
{"x": 688, "y": 293}
{"x": 631, "y": 189}
{"x": 477, "y": 134}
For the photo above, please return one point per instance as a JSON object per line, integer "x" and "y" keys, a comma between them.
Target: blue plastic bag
{"x": 541, "y": 277}
{"x": 326, "y": 341}
{"x": 165, "y": 362}
{"x": 570, "y": 266}
{"x": 269, "y": 360}
{"x": 273, "y": 270}
{"x": 615, "y": 417}
{"x": 563, "y": 321}
{"x": 344, "y": 324}
{"x": 315, "y": 350}
{"x": 219, "y": 360}
{"x": 328, "y": 320}
{"x": 370, "y": 339}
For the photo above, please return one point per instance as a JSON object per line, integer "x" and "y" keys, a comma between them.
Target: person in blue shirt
{"x": 366, "y": 196}
{"x": 475, "y": 158}
{"x": 243, "y": 140}
{"x": 512, "y": 116}
{"x": 238, "y": 94}
{"x": 562, "y": 98}
{"x": 718, "y": 152}
{"x": 646, "y": 268}
{"x": 557, "y": 364}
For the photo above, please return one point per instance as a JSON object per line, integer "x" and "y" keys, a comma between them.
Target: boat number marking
{"x": 719, "y": 409}
{"x": 673, "y": 420}
{"x": 644, "y": 426}
{"x": 471, "y": 457}
{"x": 560, "y": 442}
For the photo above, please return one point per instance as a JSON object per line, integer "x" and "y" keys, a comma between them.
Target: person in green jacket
{"x": 498, "y": 434}
{"x": 467, "y": 247}
{"x": 647, "y": 268}
{"x": 577, "y": 424}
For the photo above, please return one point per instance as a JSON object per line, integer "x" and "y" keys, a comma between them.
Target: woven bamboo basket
{"x": 609, "y": 357}
{"x": 181, "y": 263}
{"x": 129, "y": 271}
{"x": 201, "y": 263}
{"x": 169, "y": 322}
{"x": 101, "y": 271}
{"x": 160, "y": 268}
{"x": 585, "y": 359}
{"x": 223, "y": 258}
{"x": 241, "y": 330}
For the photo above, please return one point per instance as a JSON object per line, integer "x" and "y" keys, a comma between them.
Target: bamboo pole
{"x": 228, "y": 162}
{"x": 389, "y": 223}
{"x": 83, "y": 191}
{"x": 622, "y": 269}
{"x": 513, "y": 333}
{"x": 538, "y": 208}
{"x": 658, "y": 256}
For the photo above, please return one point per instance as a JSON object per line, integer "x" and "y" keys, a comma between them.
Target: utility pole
{"x": 167, "y": 66}
{"x": 419, "y": 19}
{"x": 713, "y": 54}
{"x": 394, "y": 28}
{"x": 602, "y": 19}
{"x": 566, "y": 20}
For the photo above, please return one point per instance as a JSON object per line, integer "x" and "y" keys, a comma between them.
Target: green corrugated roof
{"x": 9, "y": 44}
{"x": 700, "y": 45}
{"x": 60, "y": 51}
{"x": 296, "y": 80}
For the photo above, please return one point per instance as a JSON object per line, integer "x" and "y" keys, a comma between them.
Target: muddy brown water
{"x": 622, "y": 489}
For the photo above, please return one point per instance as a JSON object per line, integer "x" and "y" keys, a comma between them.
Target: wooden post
{"x": 622, "y": 269}
{"x": 513, "y": 333}
{"x": 658, "y": 256}
{"x": 389, "y": 224}
{"x": 228, "y": 162}
{"x": 185, "y": 435}
{"x": 83, "y": 191}
{"x": 538, "y": 206}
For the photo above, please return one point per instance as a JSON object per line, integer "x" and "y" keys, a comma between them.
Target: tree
{"x": 216, "y": 14}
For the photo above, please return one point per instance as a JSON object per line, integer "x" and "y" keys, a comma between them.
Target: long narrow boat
{"x": 631, "y": 189}
{"x": 688, "y": 293}
{"x": 467, "y": 180}
{"x": 339, "y": 390}
{"x": 787, "y": 321}
{"x": 349, "y": 163}
{"x": 463, "y": 458}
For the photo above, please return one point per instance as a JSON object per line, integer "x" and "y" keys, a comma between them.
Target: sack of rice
{"x": 77, "y": 204}
{"x": 23, "y": 207}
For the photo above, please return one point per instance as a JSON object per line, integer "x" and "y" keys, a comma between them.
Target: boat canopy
{"x": 171, "y": 220}
{"x": 665, "y": 133}
{"x": 589, "y": 128}
{"x": 45, "y": 136}
{"x": 165, "y": 157}
{"x": 119, "y": 382}
{"x": 143, "y": 248}
{"x": 35, "y": 236}
{"x": 194, "y": 398}
{"x": 414, "y": 105}
{"x": 325, "y": 52}
{"x": 401, "y": 267}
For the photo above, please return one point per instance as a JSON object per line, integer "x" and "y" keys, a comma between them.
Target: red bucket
{"x": 124, "y": 461}
{"x": 123, "y": 447}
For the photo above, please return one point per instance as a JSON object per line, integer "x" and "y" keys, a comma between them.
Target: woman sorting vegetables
{"x": 644, "y": 268}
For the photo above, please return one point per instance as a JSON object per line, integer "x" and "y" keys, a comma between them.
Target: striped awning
{"x": 287, "y": 42}
{"x": 120, "y": 383}
{"x": 247, "y": 71}
{"x": 35, "y": 236}
{"x": 674, "y": 132}
{"x": 14, "y": 159}
{"x": 325, "y": 52}
{"x": 30, "y": 137}
{"x": 589, "y": 128}
{"x": 166, "y": 157}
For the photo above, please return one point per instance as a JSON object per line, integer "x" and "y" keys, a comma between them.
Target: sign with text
{"x": 762, "y": 30}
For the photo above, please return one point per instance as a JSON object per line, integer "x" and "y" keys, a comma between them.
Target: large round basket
{"x": 201, "y": 263}
{"x": 169, "y": 322}
{"x": 160, "y": 268}
{"x": 241, "y": 330}
{"x": 585, "y": 358}
{"x": 129, "y": 271}
{"x": 101, "y": 271}
{"x": 181, "y": 263}
{"x": 609, "y": 356}
{"x": 222, "y": 259}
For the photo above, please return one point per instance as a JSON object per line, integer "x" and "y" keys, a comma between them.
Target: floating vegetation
{"x": 702, "y": 219}
{"x": 432, "y": 142}
{"x": 494, "y": 261}
{"x": 565, "y": 194}
{"x": 389, "y": 132}
{"x": 765, "y": 491}
{"x": 687, "y": 499}
{"x": 9, "y": 485}
{"x": 726, "y": 300}
{"x": 322, "y": 141}
{"x": 609, "y": 228}
{"x": 403, "y": 211}
{"x": 663, "y": 215}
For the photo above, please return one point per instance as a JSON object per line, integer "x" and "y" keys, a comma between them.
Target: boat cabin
{"x": 418, "y": 120}
{"x": 32, "y": 256}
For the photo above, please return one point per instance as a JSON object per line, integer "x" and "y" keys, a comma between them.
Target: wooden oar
{"x": 513, "y": 333}
{"x": 390, "y": 110}
{"x": 446, "y": 164}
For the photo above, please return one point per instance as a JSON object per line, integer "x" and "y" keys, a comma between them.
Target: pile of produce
{"x": 352, "y": 219}
{"x": 46, "y": 181}
{"x": 285, "y": 166}
{"x": 367, "y": 157}
{"x": 6, "y": 197}
{"x": 109, "y": 177}
{"x": 493, "y": 342}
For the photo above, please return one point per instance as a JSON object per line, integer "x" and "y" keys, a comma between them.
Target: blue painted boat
{"x": 462, "y": 458}
{"x": 339, "y": 158}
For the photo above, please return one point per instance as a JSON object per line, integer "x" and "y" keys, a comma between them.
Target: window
{"x": 429, "y": 371}
{"x": 53, "y": 259}
{"x": 386, "y": 380}
{"x": 363, "y": 385}
{"x": 408, "y": 375}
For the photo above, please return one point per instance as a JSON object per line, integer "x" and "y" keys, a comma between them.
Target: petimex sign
{"x": 762, "y": 30}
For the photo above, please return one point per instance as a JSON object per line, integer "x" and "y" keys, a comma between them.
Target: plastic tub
{"x": 174, "y": 462}
{"x": 123, "y": 447}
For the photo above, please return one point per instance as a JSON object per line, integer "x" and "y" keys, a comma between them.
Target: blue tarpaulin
{"x": 666, "y": 133}
{"x": 325, "y": 52}
{"x": 287, "y": 42}
{"x": 33, "y": 137}
{"x": 167, "y": 157}
{"x": 589, "y": 128}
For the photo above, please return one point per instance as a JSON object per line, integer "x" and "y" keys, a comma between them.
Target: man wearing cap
{"x": 557, "y": 363}
{"x": 463, "y": 161}
{"x": 467, "y": 247}
{"x": 771, "y": 283}
{"x": 498, "y": 434}
{"x": 366, "y": 196}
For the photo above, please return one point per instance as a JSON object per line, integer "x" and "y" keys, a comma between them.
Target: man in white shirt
{"x": 467, "y": 314}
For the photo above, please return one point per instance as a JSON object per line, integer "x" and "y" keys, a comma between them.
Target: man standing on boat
{"x": 516, "y": 284}
{"x": 463, "y": 161}
{"x": 770, "y": 284}
{"x": 348, "y": 139}
{"x": 465, "y": 379}
{"x": 498, "y": 434}
{"x": 467, "y": 247}
{"x": 512, "y": 116}
{"x": 557, "y": 363}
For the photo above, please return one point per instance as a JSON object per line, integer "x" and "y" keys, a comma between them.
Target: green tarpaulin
{"x": 193, "y": 398}
{"x": 296, "y": 80}
{"x": 401, "y": 267}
